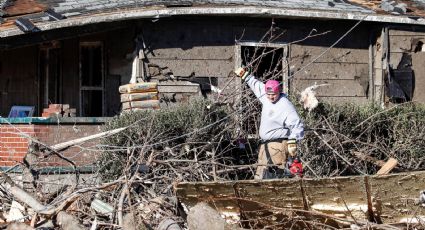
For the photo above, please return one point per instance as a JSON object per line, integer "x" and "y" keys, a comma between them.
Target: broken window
{"x": 400, "y": 81}
{"x": 400, "y": 85}
{"x": 49, "y": 75}
{"x": 91, "y": 79}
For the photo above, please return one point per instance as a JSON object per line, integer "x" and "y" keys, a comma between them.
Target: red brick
{"x": 5, "y": 154}
{"x": 17, "y": 149}
{"x": 11, "y": 156}
{"x": 7, "y": 163}
{"x": 15, "y": 144}
{"x": 13, "y": 139}
{"x": 55, "y": 106}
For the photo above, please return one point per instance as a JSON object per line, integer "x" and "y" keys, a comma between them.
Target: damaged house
{"x": 75, "y": 55}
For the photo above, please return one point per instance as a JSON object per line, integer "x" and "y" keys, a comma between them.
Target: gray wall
{"x": 345, "y": 67}
{"x": 205, "y": 46}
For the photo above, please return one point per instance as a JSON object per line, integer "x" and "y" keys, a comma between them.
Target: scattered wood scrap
{"x": 388, "y": 166}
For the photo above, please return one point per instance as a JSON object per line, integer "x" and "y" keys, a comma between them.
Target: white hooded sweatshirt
{"x": 278, "y": 119}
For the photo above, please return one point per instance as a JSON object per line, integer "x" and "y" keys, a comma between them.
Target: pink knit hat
{"x": 272, "y": 86}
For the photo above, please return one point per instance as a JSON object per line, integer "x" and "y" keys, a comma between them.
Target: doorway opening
{"x": 91, "y": 79}
{"x": 265, "y": 62}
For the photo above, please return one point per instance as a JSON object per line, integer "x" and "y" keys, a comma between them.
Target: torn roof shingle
{"x": 21, "y": 7}
{"x": 411, "y": 8}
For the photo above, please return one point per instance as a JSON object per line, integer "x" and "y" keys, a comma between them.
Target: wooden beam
{"x": 388, "y": 166}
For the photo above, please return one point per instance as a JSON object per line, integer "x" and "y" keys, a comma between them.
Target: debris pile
{"x": 145, "y": 153}
{"x": 137, "y": 172}
{"x": 153, "y": 151}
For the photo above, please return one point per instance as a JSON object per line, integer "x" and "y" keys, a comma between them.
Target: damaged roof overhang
{"x": 246, "y": 11}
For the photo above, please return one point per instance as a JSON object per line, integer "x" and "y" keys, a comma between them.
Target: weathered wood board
{"x": 335, "y": 88}
{"x": 381, "y": 198}
{"x": 332, "y": 71}
{"x": 305, "y": 54}
{"x": 395, "y": 197}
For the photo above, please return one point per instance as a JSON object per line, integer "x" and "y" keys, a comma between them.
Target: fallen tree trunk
{"x": 357, "y": 199}
{"x": 22, "y": 195}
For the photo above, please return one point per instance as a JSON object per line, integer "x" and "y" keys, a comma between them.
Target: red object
{"x": 296, "y": 168}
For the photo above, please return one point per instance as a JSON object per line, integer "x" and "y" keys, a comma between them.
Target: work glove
{"x": 242, "y": 72}
{"x": 292, "y": 148}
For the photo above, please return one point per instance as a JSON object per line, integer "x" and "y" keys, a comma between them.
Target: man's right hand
{"x": 242, "y": 72}
{"x": 292, "y": 147}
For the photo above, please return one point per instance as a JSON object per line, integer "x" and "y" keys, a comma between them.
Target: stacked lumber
{"x": 59, "y": 110}
{"x": 139, "y": 96}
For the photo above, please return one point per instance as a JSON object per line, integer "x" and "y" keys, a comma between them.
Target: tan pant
{"x": 277, "y": 156}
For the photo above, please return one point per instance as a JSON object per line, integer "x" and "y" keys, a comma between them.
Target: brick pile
{"x": 59, "y": 110}
{"x": 139, "y": 96}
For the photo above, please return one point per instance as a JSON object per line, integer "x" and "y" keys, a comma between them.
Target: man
{"x": 280, "y": 127}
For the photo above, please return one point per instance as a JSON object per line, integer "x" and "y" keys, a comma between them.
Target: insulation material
{"x": 149, "y": 104}
{"x": 139, "y": 96}
{"x": 139, "y": 87}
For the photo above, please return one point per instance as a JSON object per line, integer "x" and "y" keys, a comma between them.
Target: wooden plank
{"x": 332, "y": 71}
{"x": 404, "y": 43}
{"x": 178, "y": 89}
{"x": 419, "y": 69}
{"x": 201, "y": 68}
{"x": 399, "y": 32}
{"x": 337, "y": 88}
{"x": 394, "y": 196}
{"x": 325, "y": 195}
{"x": 390, "y": 198}
{"x": 344, "y": 100}
{"x": 149, "y": 104}
{"x": 139, "y": 96}
{"x": 194, "y": 53}
{"x": 139, "y": 87}
{"x": 277, "y": 193}
{"x": 306, "y": 54}
{"x": 387, "y": 167}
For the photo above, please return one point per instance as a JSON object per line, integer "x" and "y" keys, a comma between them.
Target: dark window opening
{"x": 92, "y": 101}
{"x": 91, "y": 66}
{"x": 400, "y": 85}
{"x": 264, "y": 62}
{"x": 50, "y": 87}
{"x": 91, "y": 79}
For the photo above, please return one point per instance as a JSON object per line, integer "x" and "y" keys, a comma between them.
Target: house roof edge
{"x": 226, "y": 11}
